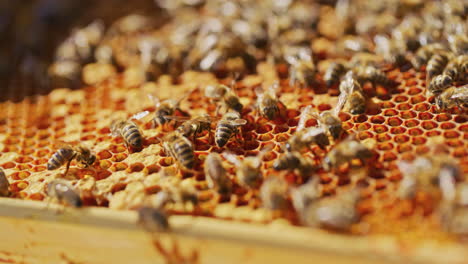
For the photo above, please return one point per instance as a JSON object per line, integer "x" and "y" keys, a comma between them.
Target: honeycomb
{"x": 403, "y": 122}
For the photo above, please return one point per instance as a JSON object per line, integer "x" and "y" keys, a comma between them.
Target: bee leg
{"x": 68, "y": 165}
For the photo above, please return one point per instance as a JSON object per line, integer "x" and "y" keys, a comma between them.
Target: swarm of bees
{"x": 248, "y": 34}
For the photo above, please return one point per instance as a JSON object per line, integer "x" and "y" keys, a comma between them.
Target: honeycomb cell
{"x": 380, "y": 129}
{"x": 324, "y": 107}
{"x": 423, "y": 107}
{"x": 165, "y": 162}
{"x": 344, "y": 116}
{"x": 447, "y": 125}
{"x": 417, "y": 99}
{"x": 460, "y": 119}
{"x": 136, "y": 167}
{"x": 433, "y": 133}
{"x": 400, "y": 98}
{"x": 23, "y": 166}
{"x": 385, "y": 146}
{"x": 397, "y": 130}
{"x": 463, "y": 128}
{"x": 414, "y": 91}
{"x": 19, "y": 185}
{"x": 428, "y": 125}
{"x": 407, "y": 114}
{"x": 251, "y": 145}
{"x": 38, "y": 168}
{"x": 119, "y": 166}
{"x": 365, "y": 135}
{"x": 26, "y": 151}
{"x": 401, "y": 139}
{"x": 411, "y": 123}
{"x": 117, "y": 148}
{"x": 454, "y": 143}
{"x": 282, "y": 129}
{"x": 101, "y": 175}
{"x": 403, "y": 106}
{"x": 451, "y": 134}
{"x": 104, "y": 154}
{"x": 418, "y": 140}
{"x": 415, "y": 131}
{"x": 264, "y": 129}
{"x": 389, "y": 156}
{"x": 105, "y": 164}
{"x": 363, "y": 126}
{"x": 377, "y": 119}
{"x": 119, "y": 157}
{"x": 282, "y": 138}
{"x": 387, "y": 104}
{"x": 347, "y": 125}
{"x": 360, "y": 119}
{"x": 394, "y": 121}
{"x": 404, "y": 148}
{"x": 460, "y": 152}
{"x": 265, "y": 137}
{"x": 383, "y": 137}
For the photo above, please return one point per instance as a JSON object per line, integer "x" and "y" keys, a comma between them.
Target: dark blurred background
{"x": 30, "y": 30}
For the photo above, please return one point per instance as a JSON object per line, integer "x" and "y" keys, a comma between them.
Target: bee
{"x": 64, "y": 192}
{"x": 457, "y": 67}
{"x": 372, "y": 74}
{"x": 193, "y": 127}
{"x": 389, "y": 50}
{"x": 425, "y": 173}
{"x": 305, "y": 194}
{"x": 273, "y": 193}
{"x": 351, "y": 92}
{"x": 439, "y": 83}
{"x": 436, "y": 64}
{"x": 458, "y": 44}
{"x": 248, "y": 170}
{"x": 67, "y": 153}
{"x": 305, "y": 137}
{"x": 333, "y": 73}
{"x": 166, "y": 108}
{"x": 268, "y": 103}
{"x": 129, "y": 131}
{"x": 4, "y": 184}
{"x": 452, "y": 96}
{"x": 345, "y": 152}
{"x": 226, "y": 95}
{"x": 227, "y": 127}
{"x": 337, "y": 213}
{"x": 330, "y": 121}
{"x": 293, "y": 160}
{"x": 424, "y": 53}
{"x": 216, "y": 174}
{"x": 302, "y": 69}
{"x": 180, "y": 148}
{"x": 153, "y": 220}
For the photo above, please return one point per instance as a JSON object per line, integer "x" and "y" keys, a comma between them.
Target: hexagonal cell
{"x": 397, "y": 130}
{"x": 383, "y": 137}
{"x": 42, "y": 153}
{"x": 394, "y": 121}
{"x": 428, "y": 125}
{"x": 377, "y": 119}
{"x": 379, "y": 129}
{"x": 404, "y": 106}
{"x": 407, "y": 114}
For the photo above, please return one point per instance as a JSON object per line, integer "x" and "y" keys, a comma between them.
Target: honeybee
{"x": 216, "y": 174}
{"x": 389, "y": 49}
{"x": 293, "y": 160}
{"x": 424, "y": 173}
{"x": 372, "y": 74}
{"x": 424, "y": 53}
{"x": 273, "y": 193}
{"x": 306, "y": 137}
{"x": 64, "y": 192}
{"x": 452, "y": 96}
{"x": 227, "y": 127}
{"x": 153, "y": 220}
{"x": 129, "y": 131}
{"x": 337, "y": 213}
{"x": 302, "y": 69}
{"x": 4, "y": 184}
{"x": 193, "y": 127}
{"x": 436, "y": 64}
{"x": 352, "y": 93}
{"x": 457, "y": 67}
{"x": 225, "y": 94}
{"x": 67, "y": 153}
{"x": 458, "y": 43}
{"x": 346, "y": 151}
{"x": 439, "y": 84}
{"x": 330, "y": 121}
{"x": 305, "y": 194}
{"x": 248, "y": 170}
{"x": 333, "y": 73}
{"x": 268, "y": 103}
{"x": 166, "y": 108}
{"x": 180, "y": 148}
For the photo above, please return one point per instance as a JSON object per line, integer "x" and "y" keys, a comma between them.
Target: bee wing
{"x": 462, "y": 93}
{"x": 290, "y": 59}
{"x": 232, "y": 158}
{"x": 239, "y": 122}
{"x": 305, "y": 113}
{"x": 178, "y": 118}
{"x": 140, "y": 115}
{"x": 341, "y": 102}
{"x": 155, "y": 100}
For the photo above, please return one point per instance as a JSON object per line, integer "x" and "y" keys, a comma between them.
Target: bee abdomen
{"x": 184, "y": 153}
{"x": 333, "y": 73}
{"x": 60, "y": 157}
{"x": 132, "y": 135}
{"x": 70, "y": 197}
{"x": 436, "y": 64}
{"x": 287, "y": 161}
{"x": 440, "y": 83}
{"x": 223, "y": 134}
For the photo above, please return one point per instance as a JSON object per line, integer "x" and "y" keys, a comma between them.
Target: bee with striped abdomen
{"x": 268, "y": 103}
{"x": 436, "y": 64}
{"x": 216, "y": 174}
{"x": 4, "y": 184}
{"x": 180, "y": 148}
{"x": 294, "y": 160}
{"x": 333, "y": 73}
{"x": 351, "y": 92}
{"x": 166, "y": 108}
{"x": 227, "y": 127}
{"x": 64, "y": 192}
{"x": 424, "y": 54}
{"x": 346, "y": 151}
{"x": 193, "y": 127}
{"x": 248, "y": 170}
{"x": 129, "y": 131}
{"x": 452, "y": 96}
{"x": 302, "y": 69}
{"x": 224, "y": 94}
{"x": 457, "y": 68}
{"x": 273, "y": 193}
{"x": 67, "y": 153}
{"x": 439, "y": 83}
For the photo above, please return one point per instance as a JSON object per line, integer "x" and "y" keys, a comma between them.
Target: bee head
{"x": 271, "y": 112}
{"x": 447, "y": 80}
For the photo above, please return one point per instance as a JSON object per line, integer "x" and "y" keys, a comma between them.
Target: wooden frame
{"x": 36, "y": 232}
